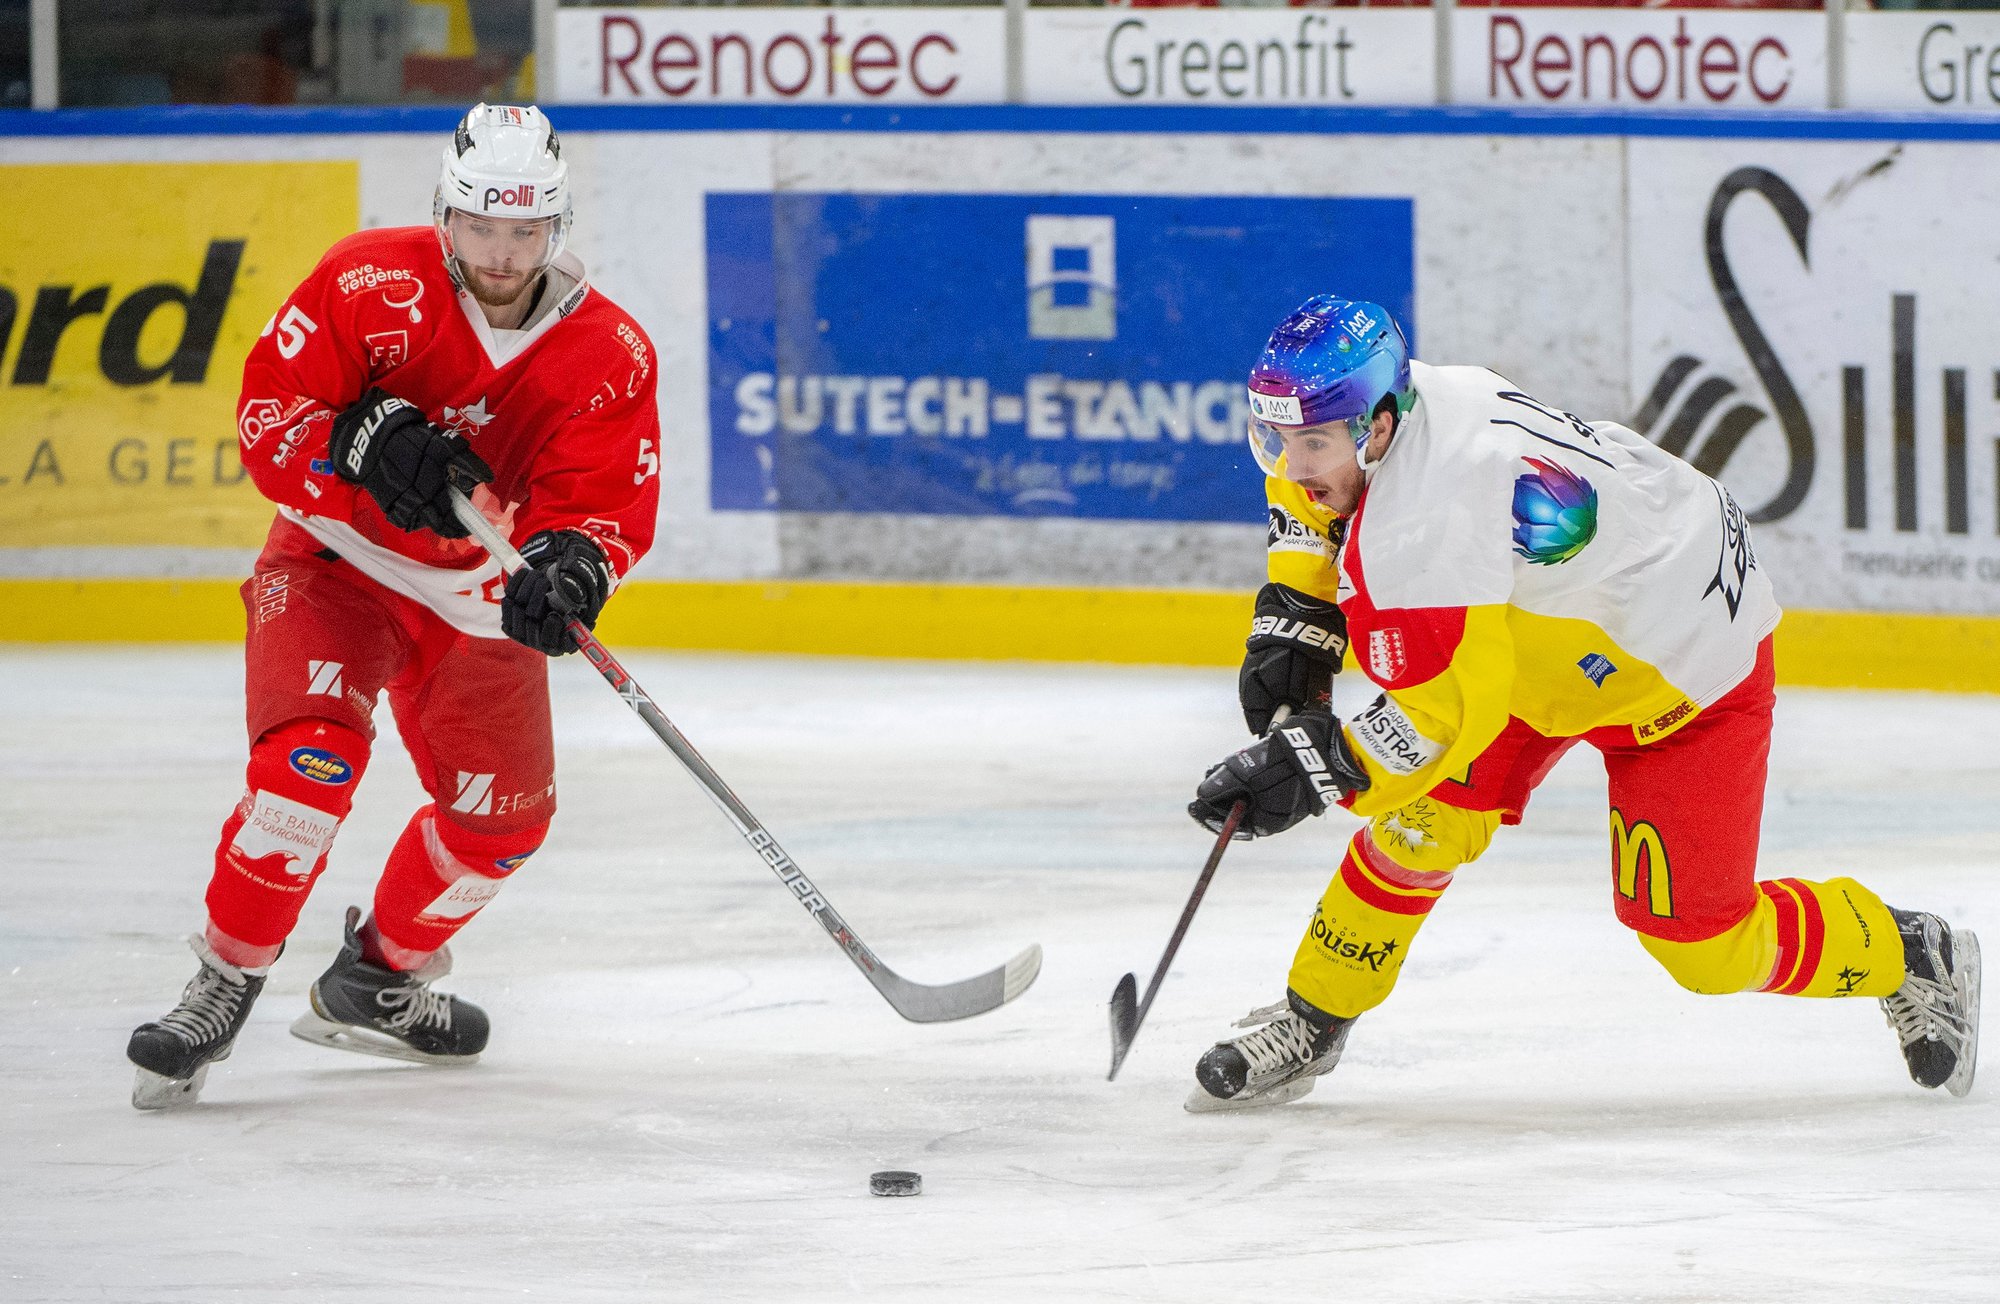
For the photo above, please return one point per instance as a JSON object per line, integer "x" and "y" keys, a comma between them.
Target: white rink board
{"x": 688, "y": 1086}
{"x": 1484, "y": 292}
{"x": 778, "y": 56}
{"x": 1238, "y": 56}
{"x": 1576, "y": 265}
{"x": 1925, "y": 62}
{"x": 1639, "y": 58}
{"x": 1892, "y": 233}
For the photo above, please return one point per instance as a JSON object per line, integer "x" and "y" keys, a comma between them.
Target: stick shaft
{"x": 1222, "y": 840}
{"x": 642, "y": 704}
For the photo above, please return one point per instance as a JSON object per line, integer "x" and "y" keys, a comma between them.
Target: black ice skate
{"x": 371, "y": 1010}
{"x": 1278, "y": 1062}
{"x": 174, "y": 1052}
{"x": 1936, "y": 1011}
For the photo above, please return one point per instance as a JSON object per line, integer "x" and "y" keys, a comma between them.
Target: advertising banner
{"x": 129, "y": 297}
{"x": 781, "y": 55}
{"x": 1014, "y": 355}
{"x": 1235, "y": 56}
{"x": 1946, "y": 63}
{"x": 1813, "y": 324}
{"x": 1639, "y": 58}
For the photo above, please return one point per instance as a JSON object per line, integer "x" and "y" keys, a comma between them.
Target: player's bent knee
{"x": 1734, "y": 960}
{"x": 298, "y": 789}
{"x": 1428, "y": 836}
{"x": 490, "y": 855}
{"x": 315, "y": 761}
{"x": 441, "y": 874}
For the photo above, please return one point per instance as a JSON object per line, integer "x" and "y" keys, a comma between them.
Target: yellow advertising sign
{"x": 130, "y": 294}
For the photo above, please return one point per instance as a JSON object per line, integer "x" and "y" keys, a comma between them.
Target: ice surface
{"x": 688, "y": 1084}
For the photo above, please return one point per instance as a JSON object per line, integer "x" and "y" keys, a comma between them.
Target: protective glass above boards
{"x": 138, "y": 52}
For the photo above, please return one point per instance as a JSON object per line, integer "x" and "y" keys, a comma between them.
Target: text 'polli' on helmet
{"x": 1331, "y": 361}
{"x": 505, "y": 164}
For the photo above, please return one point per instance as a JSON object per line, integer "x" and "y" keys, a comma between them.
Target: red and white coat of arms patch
{"x": 1386, "y": 660}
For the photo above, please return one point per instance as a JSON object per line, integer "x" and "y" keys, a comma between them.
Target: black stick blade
{"x": 1124, "y": 1021}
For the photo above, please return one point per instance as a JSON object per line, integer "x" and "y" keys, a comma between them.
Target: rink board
{"x": 1795, "y": 303}
{"x": 1826, "y": 649}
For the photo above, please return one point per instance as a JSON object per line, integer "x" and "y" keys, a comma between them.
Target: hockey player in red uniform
{"x": 469, "y": 353}
{"x": 1516, "y": 581}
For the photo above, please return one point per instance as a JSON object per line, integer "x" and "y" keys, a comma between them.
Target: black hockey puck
{"x": 895, "y": 1182}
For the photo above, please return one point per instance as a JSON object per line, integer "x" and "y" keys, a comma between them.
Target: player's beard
{"x": 497, "y": 294}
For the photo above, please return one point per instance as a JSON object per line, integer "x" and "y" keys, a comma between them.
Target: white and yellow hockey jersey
{"x": 1510, "y": 560}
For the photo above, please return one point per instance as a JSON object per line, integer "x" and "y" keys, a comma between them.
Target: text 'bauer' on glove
{"x": 565, "y": 576}
{"x": 406, "y": 464}
{"x": 1294, "y": 650}
{"x": 1298, "y": 769}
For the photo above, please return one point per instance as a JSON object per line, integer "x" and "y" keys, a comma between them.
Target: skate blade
{"x": 1200, "y": 1102}
{"x": 366, "y": 1041}
{"x": 1967, "y": 948}
{"x": 151, "y": 1090}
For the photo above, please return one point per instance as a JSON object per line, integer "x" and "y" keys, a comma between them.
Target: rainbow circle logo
{"x": 1555, "y": 513}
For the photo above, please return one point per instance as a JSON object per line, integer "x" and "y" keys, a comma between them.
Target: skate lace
{"x": 414, "y": 1003}
{"x": 1284, "y": 1039}
{"x": 206, "y": 1010}
{"x": 1925, "y": 1010}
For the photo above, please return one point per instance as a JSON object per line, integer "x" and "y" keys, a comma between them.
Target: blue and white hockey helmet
{"x": 1332, "y": 361}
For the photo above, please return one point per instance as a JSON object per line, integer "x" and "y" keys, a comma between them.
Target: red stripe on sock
{"x": 1787, "y": 908}
{"x": 1372, "y": 891}
{"x": 1812, "y": 940}
{"x": 1379, "y": 864}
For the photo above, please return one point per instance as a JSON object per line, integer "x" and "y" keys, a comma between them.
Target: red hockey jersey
{"x": 562, "y": 410}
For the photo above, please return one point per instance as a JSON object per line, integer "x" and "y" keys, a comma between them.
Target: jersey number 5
{"x": 649, "y": 462}
{"x": 292, "y": 331}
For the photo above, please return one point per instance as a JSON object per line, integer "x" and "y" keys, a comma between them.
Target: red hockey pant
{"x": 324, "y": 642}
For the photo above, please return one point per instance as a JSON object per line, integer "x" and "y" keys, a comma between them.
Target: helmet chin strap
{"x": 1404, "y": 403}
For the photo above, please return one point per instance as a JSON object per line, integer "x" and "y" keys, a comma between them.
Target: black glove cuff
{"x": 1298, "y": 622}
{"x": 361, "y": 432}
{"x": 1322, "y": 757}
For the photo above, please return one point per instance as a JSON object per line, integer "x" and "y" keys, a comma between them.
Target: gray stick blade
{"x": 1124, "y": 1021}
{"x": 922, "y": 1003}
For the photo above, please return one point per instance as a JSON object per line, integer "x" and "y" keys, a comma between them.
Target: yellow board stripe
{"x": 984, "y": 622}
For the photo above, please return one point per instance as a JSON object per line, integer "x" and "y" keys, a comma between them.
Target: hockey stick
{"x": 1127, "y": 1011}
{"x": 917, "y": 1002}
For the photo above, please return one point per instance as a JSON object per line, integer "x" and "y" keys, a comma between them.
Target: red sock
{"x": 298, "y": 787}
{"x": 439, "y": 876}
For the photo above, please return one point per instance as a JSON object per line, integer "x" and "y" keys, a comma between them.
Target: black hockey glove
{"x": 566, "y": 575}
{"x": 1293, "y": 653}
{"x": 406, "y": 464}
{"x": 1298, "y": 769}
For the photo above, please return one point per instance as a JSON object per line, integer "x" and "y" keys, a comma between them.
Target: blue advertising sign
{"x": 1014, "y": 355}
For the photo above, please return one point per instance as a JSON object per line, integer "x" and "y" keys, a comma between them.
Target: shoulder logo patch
{"x": 1555, "y": 513}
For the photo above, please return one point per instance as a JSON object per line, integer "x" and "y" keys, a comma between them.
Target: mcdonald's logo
{"x": 1636, "y": 846}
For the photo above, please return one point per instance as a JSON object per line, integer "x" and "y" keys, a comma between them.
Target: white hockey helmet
{"x": 505, "y": 162}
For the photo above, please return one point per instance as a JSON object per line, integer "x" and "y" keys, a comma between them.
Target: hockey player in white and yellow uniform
{"x": 1516, "y": 581}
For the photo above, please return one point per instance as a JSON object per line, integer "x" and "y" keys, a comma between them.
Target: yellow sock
{"x": 1801, "y": 939}
{"x": 1349, "y": 958}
